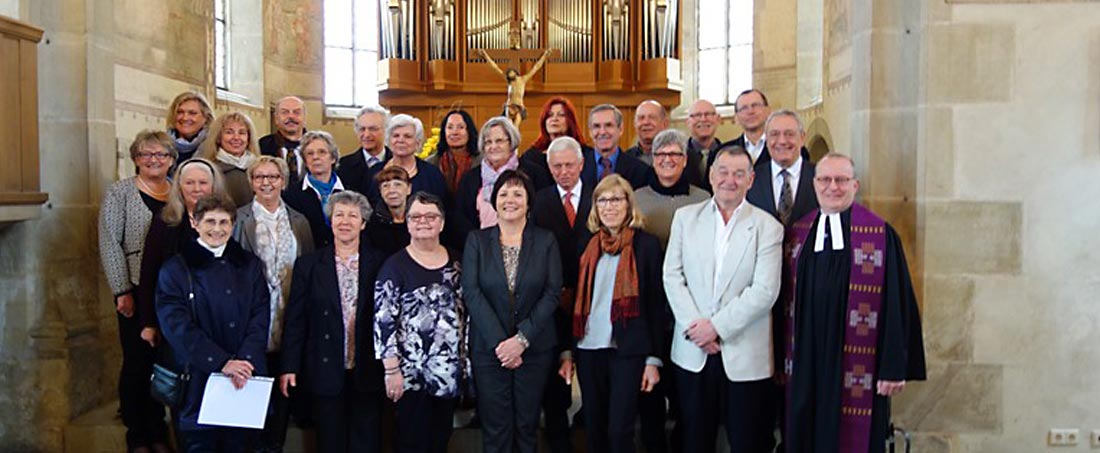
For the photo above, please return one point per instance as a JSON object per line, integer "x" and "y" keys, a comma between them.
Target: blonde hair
{"x": 279, "y": 164}
{"x": 209, "y": 148}
{"x": 611, "y": 183}
{"x": 175, "y": 208}
{"x": 185, "y": 96}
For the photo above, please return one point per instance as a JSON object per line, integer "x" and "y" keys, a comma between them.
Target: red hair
{"x": 571, "y": 127}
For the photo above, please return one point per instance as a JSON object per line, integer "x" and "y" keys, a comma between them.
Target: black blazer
{"x": 533, "y": 162}
{"x": 463, "y": 216}
{"x": 762, "y": 195}
{"x": 306, "y": 202}
{"x": 313, "y": 338}
{"x": 643, "y": 335}
{"x": 695, "y": 158}
{"x": 635, "y": 171}
{"x": 355, "y": 173}
{"x": 550, "y": 214}
{"x": 495, "y": 315}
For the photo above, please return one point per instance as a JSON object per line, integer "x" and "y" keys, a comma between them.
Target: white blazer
{"x": 748, "y": 286}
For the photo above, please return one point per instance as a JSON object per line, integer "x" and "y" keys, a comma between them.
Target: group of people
{"x": 673, "y": 280}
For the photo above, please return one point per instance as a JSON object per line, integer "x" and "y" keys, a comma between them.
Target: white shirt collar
{"x": 574, "y": 194}
{"x": 795, "y": 169}
{"x": 758, "y": 144}
{"x": 339, "y": 183}
{"x": 217, "y": 251}
{"x": 717, "y": 212}
{"x": 381, "y": 154}
{"x": 834, "y": 228}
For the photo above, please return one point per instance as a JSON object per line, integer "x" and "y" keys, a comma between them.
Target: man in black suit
{"x": 751, "y": 110}
{"x": 290, "y": 120}
{"x": 784, "y": 188}
{"x": 650, "y": 118}
{"x": 356, "y": 168}
{"x": 563, "y": 209}
{"x": 702, "y": 122}
{"x": 605, "y": 125}
{"x": 328, "y": 334}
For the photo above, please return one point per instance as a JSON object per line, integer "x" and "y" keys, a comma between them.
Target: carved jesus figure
{"x": 514, "y": 108}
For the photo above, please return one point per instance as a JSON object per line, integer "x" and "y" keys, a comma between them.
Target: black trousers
{"x": 424, "y": 422}
{"x": 610, "y": 384}
{"x": 273, "y": 437}
{"x": 350, "y": 421}
{"x": 143, "y": 416}
{"x": 509, "y": 400}
{"x": 654, "y": 411}
{"x": 709, "y": 396}
{"x": 556, "y": 400}
{"x": 221, "y": 440}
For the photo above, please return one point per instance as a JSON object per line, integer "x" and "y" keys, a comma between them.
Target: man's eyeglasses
{"x": 826, "y": 181}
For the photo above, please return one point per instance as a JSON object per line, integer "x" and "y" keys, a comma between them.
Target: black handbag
{"x": 166, "y": 385}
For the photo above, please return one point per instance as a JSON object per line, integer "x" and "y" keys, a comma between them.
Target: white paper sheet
{"x": 225, "y": 405}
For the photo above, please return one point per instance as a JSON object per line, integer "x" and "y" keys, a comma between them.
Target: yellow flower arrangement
{"x": 429, "y": 144}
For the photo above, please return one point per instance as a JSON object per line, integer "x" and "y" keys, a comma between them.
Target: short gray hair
{"x": 564, "y": 143}
{"x": 381, "y": 111}
{"x": 604, "y": 108}
{"x": 785, "y": 112}
{"x": 323, "y": 136}
{"x": 502, "y": 122}
{"x": 670, "y": 137}
{"x": 403, "y": 120}
{"x": 349, "y": 197}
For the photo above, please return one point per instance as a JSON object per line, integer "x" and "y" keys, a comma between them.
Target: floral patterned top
{"x": 420, "y": 318}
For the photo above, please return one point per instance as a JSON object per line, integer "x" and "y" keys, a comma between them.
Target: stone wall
{"x": 973, "y": 124}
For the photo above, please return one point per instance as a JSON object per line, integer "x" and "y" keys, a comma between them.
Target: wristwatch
{"x": 522, "y": 339}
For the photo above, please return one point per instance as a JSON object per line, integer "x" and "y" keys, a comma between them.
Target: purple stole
{"x": 868, "y": 273}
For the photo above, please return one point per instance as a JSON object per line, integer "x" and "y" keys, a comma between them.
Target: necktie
{"x": 570, "y": 213}
{"x": 372, "y": 161}
{"x": 605, "y": 163}
{"x": 786, "y": 200}
{"x": 292, "y": 162}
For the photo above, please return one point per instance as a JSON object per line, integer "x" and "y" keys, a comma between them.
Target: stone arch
{"x": 819, "y": 139}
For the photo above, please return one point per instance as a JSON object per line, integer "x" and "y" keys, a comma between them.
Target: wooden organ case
{"x": 604, "y": 51}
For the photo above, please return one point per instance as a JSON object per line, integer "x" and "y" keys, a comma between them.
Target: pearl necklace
{"x": 150, "y": 191}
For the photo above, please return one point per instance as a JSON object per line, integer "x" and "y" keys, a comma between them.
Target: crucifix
{"x": 506, "y": 62}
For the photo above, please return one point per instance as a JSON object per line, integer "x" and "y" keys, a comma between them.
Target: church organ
{"x": 604, "y": 51}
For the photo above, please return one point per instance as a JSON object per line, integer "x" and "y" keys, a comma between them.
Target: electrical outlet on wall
{"x": 1094, "y": 438}
{"x": 1063, "y": 437}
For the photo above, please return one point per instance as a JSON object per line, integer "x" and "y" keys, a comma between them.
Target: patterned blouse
{"x": 347, "y": 275}
{"x": 511, "y": 265}
{"x": 419, "y": 317}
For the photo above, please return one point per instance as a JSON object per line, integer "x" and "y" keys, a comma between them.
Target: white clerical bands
{"x": 834, "y": 227}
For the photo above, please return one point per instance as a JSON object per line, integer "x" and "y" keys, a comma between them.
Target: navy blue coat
{"x": 313, "y": 338}
{"x": 231, "y": 310}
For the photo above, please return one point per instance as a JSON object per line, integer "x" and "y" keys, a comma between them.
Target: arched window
{"x": 351, "y": 52}
{"x": 724, "y": 62}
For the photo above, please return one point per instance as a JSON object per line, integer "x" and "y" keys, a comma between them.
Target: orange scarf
{"x": 624, "y": 297}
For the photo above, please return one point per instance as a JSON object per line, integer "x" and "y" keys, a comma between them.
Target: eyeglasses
{"x": 826, "y": 181}
{"x": 753, "y": 106}
{"x": 608, "y": 201}
{"x": 666, "y": 155}
{"x": 430, "y": 218}
{"x": 157, "y": 156}
{"x": 269, "y": 178}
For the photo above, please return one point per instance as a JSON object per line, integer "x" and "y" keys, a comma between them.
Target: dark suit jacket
{"x": 762, "y": 194}
{"x": 354, "y": 172}
{"x": 313, "y": 338}
{"x": 550, "y": 214}
{"x": 306, "y": 202}
{"x": 635, "y": 171}
{"x": 695, "y": 159}
{"x": 495, "y": 314}
{"x": 643, "y": 335}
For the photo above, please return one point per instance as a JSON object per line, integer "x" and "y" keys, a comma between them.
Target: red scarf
{"x": 624, "y": 297}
